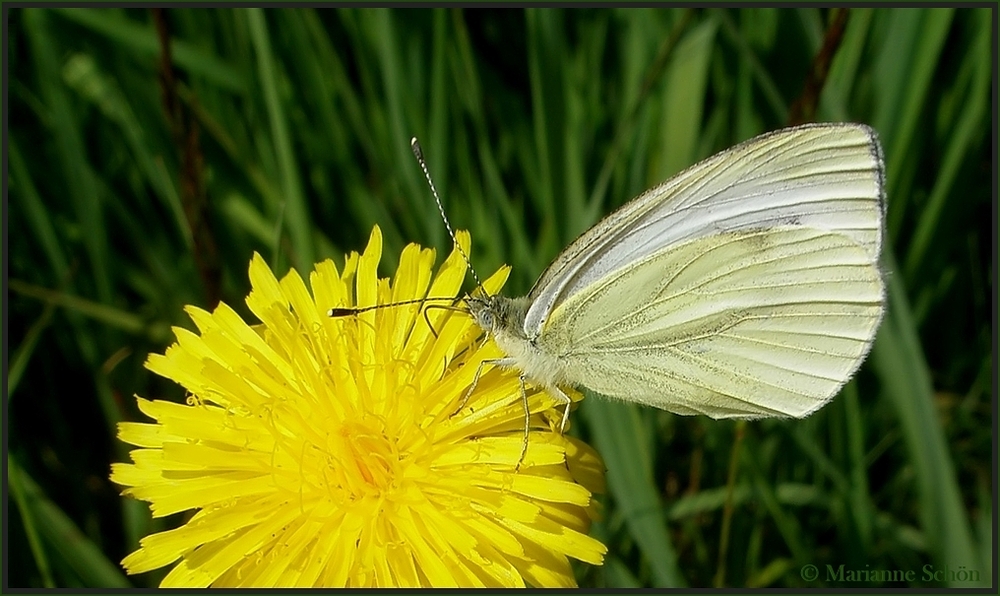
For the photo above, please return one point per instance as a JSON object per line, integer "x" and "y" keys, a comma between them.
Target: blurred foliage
{"x": 287, "y": 132}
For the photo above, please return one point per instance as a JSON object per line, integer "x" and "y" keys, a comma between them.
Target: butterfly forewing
{"x": 822, "y": 176}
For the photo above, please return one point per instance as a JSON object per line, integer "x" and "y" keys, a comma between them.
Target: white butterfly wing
{"x": 751, "y": 323}
{"x": 822, "y": 176}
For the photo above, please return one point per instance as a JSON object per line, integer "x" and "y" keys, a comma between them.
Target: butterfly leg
{"x": 475, "y": 380}
{"x": 558, "y": 394}
{"x": 527, "y": 424}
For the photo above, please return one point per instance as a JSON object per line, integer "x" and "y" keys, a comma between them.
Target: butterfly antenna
{"x": 419, "y": 153}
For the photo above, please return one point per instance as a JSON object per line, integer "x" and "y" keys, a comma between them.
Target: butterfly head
{"x": 498, "y": 315}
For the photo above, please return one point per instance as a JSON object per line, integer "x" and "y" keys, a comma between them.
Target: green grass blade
{"x": 69, "y": 142}
{"x": 142, "y": 40}
{"x": 962, "y": 141}
{"x": 65, "y": 539}
{"x": 617, "y": 431}
{"x": 686, "y": 85}
{"x": 900, "y": 362}
{"x": 911, "y": 53}
{"x": 23, "y": 190}
{"x": 108, "y": 315}
{"x": 19, "y": 491}
{"x": 295, "y": 207}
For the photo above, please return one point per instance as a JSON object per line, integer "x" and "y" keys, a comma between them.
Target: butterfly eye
{"x": 486, "y": 319}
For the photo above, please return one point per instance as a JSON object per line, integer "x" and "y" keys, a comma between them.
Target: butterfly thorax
{"x": 503, "y": 319}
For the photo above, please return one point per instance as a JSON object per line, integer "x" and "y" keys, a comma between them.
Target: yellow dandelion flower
{"x": 318, "y": 451}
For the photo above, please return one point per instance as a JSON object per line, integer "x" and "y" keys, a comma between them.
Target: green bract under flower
{"x": 318, "y": 451}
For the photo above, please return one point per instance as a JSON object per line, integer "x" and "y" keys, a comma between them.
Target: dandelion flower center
{"x": 361, "y": 450}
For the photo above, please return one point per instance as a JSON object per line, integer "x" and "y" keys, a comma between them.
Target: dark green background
{"x": 534, "y": 123}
